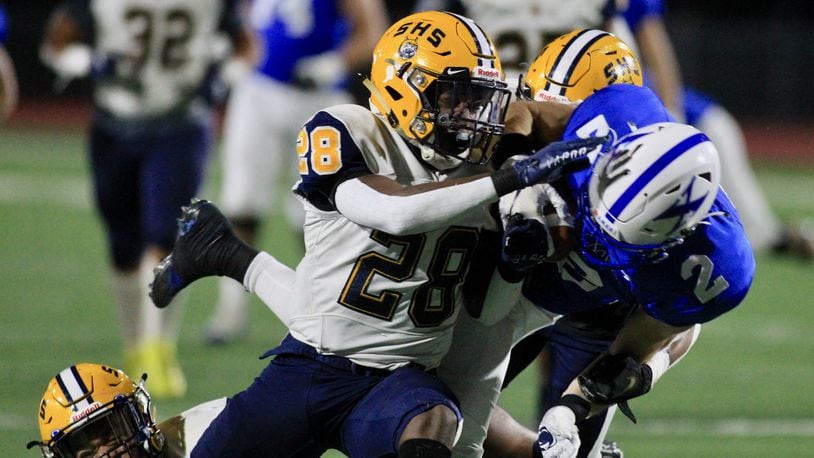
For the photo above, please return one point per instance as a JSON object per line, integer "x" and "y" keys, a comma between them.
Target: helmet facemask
{"x": 117, "y": 431}
{"x": 90, "y": 410}
{"x": 464, "y": 116}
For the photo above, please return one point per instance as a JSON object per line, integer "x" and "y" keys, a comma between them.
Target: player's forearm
{"x": 378, "y": 202}
{"x": 368, "y": 21}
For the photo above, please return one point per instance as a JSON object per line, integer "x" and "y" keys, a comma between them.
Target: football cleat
{"x": 206, "y": 245}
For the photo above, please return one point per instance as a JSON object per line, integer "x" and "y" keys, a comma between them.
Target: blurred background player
{"x": 92, "y": 410}
{"x": 764, "y": 228}
{"x": 149, "y": 139}
{"x": 312, "y": 50}
{"x": 8, "y": 77}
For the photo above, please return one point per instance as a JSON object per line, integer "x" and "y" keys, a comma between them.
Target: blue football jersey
{"x": 295, "y": 29}
{"x": 707, "y": 275}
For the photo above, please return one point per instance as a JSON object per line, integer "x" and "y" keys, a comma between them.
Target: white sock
{"x": 231, "y": 310}
{"x": 273, "y": 282}
{"x": 158, "y": 324}
{"x": 127, "y": 291}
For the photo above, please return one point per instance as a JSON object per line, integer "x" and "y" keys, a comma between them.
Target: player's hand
{"x": 611, "y": 379}
{"x": 525, "y": 242}
{"x": 558, "y": 435}
{"x": 556, "y": 159}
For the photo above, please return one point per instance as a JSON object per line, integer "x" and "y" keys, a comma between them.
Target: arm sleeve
{"x": 415, "y": 213}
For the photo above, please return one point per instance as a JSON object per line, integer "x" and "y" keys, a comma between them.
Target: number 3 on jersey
{"x": 325, "y": 148}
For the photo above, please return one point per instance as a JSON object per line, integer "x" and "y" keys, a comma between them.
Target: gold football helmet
{"x": 90, "y": 410}
{"x": 579, "y": 63}
{"x": 437, "y": 79}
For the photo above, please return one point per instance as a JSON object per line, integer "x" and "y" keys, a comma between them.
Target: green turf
{"x": 753, "y": 365}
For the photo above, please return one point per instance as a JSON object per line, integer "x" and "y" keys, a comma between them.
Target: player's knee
{"x": 439, "y": 424}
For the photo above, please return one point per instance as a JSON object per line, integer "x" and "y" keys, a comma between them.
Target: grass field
{"x": 744, "y": 391}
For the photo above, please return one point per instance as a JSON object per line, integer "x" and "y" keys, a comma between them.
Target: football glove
{"x": 556, "y": 159}
{"x": 558, "y": 435}
{"x": 525, "y": 242}
{"x": 614, "y": 379}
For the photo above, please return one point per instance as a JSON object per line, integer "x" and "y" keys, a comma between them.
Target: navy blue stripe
{"x": 471, "y": 31}
{"x": 654, "y": 169}
{"x": 581, "y": 52}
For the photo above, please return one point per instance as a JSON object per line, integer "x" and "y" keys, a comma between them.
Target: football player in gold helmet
{"x": 396, "y": 200}
{"x": 579, "y": 63}
{"x": 91, "y": 410}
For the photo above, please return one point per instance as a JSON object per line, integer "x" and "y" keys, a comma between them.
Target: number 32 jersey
{"x": 153, "y": 55}
{"x": 382, "y": 300}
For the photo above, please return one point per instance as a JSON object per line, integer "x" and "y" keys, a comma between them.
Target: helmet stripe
{"x": 655, "y": 168}
{"x": 72, "y": 386}
{"x": 480, "y": 38}
{"x": 570, "y": 55}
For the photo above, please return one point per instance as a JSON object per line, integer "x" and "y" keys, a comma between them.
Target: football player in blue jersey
{"x": 659, "y": 248}
{"x": 149, "y": 140}
{"x": 764, "y": 228}
{"x": 309, "y": 50}
{"x": 397, "y": 203}
{"x": 8, "y": 77}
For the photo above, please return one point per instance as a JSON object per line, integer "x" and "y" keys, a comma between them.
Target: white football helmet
{"x": 647, "y": 193}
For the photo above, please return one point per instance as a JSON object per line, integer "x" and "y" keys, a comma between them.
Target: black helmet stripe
{"x": 74, "y": 388}
{"x": 481, "y": 40}
{"x": 570, "y": 55}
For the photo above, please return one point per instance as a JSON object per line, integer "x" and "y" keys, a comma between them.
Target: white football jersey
{"x": 159, "y": 51}
{"x": 520, "y": 28}
{"x": 182, "y": 432}
{"x": 381, "y": 300}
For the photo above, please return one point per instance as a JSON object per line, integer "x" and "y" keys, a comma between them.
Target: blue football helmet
{"x": 647, "y": 193}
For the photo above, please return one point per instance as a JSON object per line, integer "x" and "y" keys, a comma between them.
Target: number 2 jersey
{"x": 379, "y": 299}
{"x": 153, "y": 58}
{"x": 702, "y": 278}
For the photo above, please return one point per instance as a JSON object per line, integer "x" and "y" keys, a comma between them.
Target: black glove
{"x": 614, "y": 379}
{"x": 525, "y": 243}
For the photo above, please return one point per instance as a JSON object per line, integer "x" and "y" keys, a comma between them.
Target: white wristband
{"x": 659, "y": 363}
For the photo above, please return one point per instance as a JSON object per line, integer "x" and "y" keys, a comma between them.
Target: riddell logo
{"x": 487, "y": 72}
{"x": 93, "y": 407}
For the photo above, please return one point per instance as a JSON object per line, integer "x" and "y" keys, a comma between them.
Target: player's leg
{"x": 171, "y": 175}
{"x": 409, "y": 413}
{"x": 270, "y": 417}
{"x": 115, "y": 183}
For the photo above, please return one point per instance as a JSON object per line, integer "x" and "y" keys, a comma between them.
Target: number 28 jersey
{"x": 382, "y": 300}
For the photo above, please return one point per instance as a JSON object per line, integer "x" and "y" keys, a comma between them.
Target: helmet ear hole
{"x": 394, "y": 94}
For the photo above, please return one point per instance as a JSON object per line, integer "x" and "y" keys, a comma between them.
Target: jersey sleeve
{"x": 638, "y": 10}
{"x": 328, "y": 155}
{"x": 707, "y": 276}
